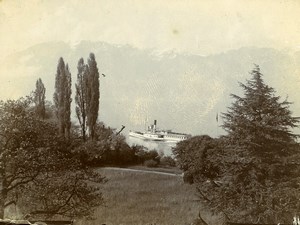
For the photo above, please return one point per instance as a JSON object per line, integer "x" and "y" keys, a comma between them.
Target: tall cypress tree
{"x": 81, "y": 95}
{"x": 67, "y": 102}
{"x": 59, "y": 94}
{"x": 62, "y": 98}
{"x": 39, "y": 99}
{"x": 93, "y": 95}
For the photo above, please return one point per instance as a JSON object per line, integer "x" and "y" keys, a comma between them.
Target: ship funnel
{"x": 154, "y": 126}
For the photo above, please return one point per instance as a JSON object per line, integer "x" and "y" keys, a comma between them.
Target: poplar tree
{"x": 62, "y": 98}
{"x": 67, "y": 103}
{"x": 39, "y": 99}
{"x": 93, "y": 95}
{"x": 81, "y": 95}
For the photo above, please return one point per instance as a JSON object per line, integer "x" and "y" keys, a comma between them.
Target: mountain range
{"x": 183, "y": 92}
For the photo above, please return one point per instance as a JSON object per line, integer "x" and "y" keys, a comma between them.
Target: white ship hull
{"x": 153, "y": 134}
{"x": 146, "y": 136}
{"x": 159, "y": 136}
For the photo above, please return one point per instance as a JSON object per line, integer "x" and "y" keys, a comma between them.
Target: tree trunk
{"x": 83, "y": 129}
{"x": 92, "y": 132}
{"x": 3, "y": 198}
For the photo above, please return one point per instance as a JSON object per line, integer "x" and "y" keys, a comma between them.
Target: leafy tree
{"x": 93, "y": 95}
{"x": 40, "y": 173}
{"x": 167, "y": 161}
{"x": 107, "y": 148}
{"x": 50, "y": 111}
{"x": 62, "y": 98}
{"x": 192, "y": 155}
{"x": 39, "y": 99}
{"x": 81, "y": 95}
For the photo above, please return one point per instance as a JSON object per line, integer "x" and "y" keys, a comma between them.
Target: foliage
{"x": 229, "y": 181}
{"x": 62, "y": 98}
{"x": 151, "y": 163}
{"x": 264, "y": 149}
{"x": 81, "y": 95}
{"x": 107, "y": 148}
{"x": 259, "y": 120}
{"x": 167, "y": 161}
{"x": 50, "y": 111}
{"x": 251, "y": 174}
{"x": 93, "y": 95}
{"x": 87, "y": 96}
{"x": 39, "y": 99}
{"x": 191, "y": 155}
{"x": 41, "y": 168}
{"x": 145, "y": 155}
{"x": 110, "y": 149}
{"x": 247, "y": 191}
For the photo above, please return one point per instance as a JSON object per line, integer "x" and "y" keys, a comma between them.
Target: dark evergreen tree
{"x": 250, "y": 175}
{"x": 259, "y": 120}
{"x": 93, "y": 95}
{"x": 261, "y": 155}
{"x": 81, "y": 95}
{"x": 39, "y": 99}
{"x": 62, "y": 98}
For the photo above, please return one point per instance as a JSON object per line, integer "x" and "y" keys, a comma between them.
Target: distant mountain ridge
{"x": 183, "y": 92}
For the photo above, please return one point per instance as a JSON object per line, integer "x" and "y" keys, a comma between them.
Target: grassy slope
{"x": 135, "y": 198}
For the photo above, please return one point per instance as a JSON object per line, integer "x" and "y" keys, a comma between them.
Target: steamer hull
{"x": 152, "y": 134}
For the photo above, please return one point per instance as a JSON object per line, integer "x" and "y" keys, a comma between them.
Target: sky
{"x": 191, "y": 26}
{"x": 201, "y": 27}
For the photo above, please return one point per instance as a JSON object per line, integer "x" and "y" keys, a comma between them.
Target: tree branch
{"x": 24, "y": 180}
{"x": 10, "y": 203}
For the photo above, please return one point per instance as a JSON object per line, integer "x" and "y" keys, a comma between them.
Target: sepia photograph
{"x": 136, "y": 112}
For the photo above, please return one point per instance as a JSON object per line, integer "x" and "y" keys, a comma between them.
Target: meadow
{"x": 136, "y": 198}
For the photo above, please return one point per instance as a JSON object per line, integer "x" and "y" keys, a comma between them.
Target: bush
{"x": 167, "y": 161}
{"x": 144, "y": 155}
{"x": 151, "y": 163}
{"x": 188, "y": 177}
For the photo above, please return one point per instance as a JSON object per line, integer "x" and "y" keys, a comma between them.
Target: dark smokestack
{"x": 154, "y": 126}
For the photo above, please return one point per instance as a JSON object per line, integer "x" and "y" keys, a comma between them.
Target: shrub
{"x": 144, "y": 155}
{"x": 151, "y": 163}
{"x": 188, "y": 177}
{"x": 167, "y": 161}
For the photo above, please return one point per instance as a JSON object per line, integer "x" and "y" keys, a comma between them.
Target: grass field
{"x": 136, "y": 198}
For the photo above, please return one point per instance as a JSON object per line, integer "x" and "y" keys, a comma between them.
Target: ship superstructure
{"x": 154, "y": 134}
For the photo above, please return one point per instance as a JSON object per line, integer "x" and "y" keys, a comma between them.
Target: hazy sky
{"x": 201, "y": 27}
{"x": 192, "y": 26}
